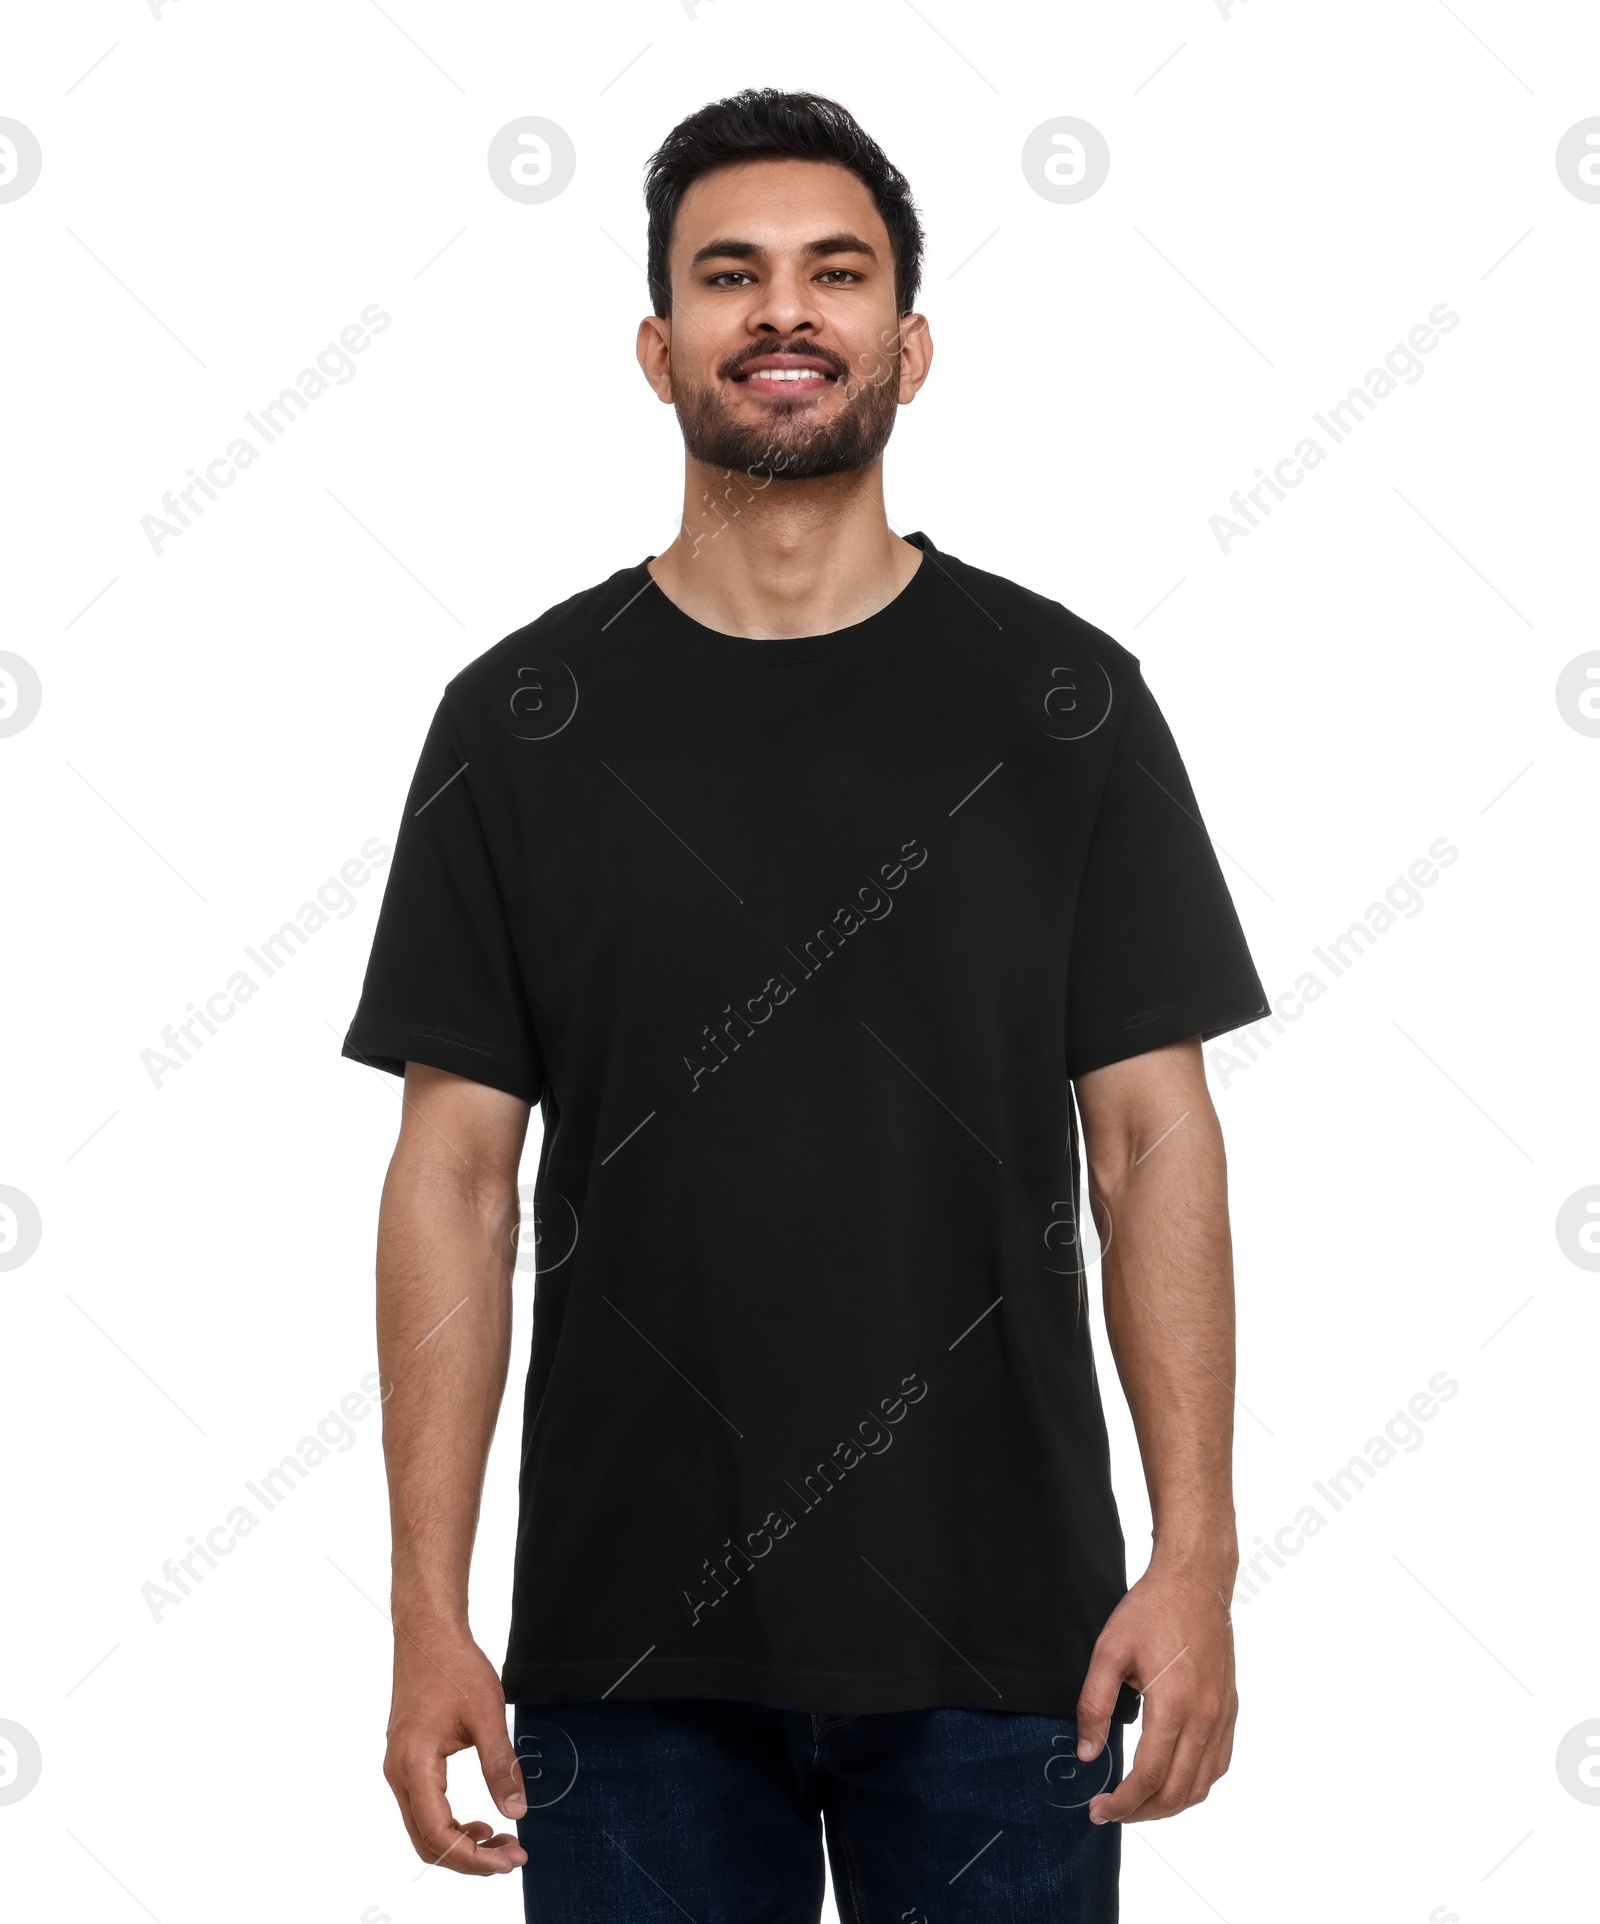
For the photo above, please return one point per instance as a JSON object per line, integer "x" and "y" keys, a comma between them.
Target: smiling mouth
{"x": 789, "y": 379}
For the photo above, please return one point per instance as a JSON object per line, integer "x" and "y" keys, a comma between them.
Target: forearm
{"x": 1168, "y": 1293}
{"x": 445, "y": 1255}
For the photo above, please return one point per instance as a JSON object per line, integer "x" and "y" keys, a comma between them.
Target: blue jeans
{"x": 650, "y": 1811}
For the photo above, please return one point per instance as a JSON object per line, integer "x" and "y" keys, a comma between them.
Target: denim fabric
{"x": 648, "y": 1811}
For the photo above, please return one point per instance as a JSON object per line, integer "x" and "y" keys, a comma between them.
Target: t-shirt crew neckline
{"x": 890, "y": 619}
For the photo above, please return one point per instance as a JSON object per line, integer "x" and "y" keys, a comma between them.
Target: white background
{"x": 224, "y": 724}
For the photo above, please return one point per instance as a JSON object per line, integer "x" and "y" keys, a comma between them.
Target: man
{"x": 800, "y": 873}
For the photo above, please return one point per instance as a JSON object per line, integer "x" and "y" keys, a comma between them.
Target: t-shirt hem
{"x": 998, "y": 1687}
{"x": 1206, "y": 1015}
{"x": 390, "y": 1048}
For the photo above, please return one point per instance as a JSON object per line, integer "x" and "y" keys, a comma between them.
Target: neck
{"x": 787, "y": 558}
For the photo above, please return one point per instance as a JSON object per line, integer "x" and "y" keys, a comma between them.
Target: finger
{"x": 1098, "y": 1698}
{"x": 437, "y": 1836}
{"x": 1206, "y": 1772}
{"x": 1226, "y": 1746}
{"x": 1175, "y": 1790}
{"x": 406, "y": 1818}
{"x": 1156, "y": 1744}
{"x": 501, "y": 1771}
{"x": 1214, "y": 1760}
{"x": 496, "y": 1851}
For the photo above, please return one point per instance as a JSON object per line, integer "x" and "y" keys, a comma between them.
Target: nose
{"x": 785, "y": 304}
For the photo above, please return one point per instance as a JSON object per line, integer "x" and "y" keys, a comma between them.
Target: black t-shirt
{"x": 798, "y": 944}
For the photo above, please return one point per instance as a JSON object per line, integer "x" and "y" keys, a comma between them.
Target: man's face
{"x": 783, "y": 355}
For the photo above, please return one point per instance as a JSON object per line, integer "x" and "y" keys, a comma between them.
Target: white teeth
{"x": 787, "y": 374}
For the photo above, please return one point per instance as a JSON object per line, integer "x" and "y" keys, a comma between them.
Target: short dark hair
{"x": 763, "y": 123}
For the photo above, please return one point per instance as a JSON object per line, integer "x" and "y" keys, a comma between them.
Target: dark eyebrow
{"x": 743, "y": 250}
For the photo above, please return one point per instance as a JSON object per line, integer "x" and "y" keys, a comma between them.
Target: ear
{"x": 653, "y": 345}
{"x": 916, "y": 355}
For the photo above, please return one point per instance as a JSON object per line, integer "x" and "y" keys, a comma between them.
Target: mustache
{"x": 758, "y": 349}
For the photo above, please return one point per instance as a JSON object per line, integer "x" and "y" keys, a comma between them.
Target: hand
{"x": 447, "y": 1697}
{"x": 1171, "y": 1637}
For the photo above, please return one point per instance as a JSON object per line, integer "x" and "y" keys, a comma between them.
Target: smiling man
{"x": 837, "y": 901}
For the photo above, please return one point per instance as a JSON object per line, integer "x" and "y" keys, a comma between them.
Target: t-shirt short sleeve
{"x": 1157, "y": 953}
{"x": 443, "y": 984}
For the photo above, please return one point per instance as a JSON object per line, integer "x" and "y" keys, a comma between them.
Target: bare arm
{"x": 445, "y": 1255}
{"x": 1159, "y": 1188}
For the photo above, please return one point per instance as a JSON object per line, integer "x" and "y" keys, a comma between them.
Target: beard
{"x": 796, "y": 440}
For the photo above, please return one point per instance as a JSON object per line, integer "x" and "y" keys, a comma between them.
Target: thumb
{"x": 1098, "y": 1697}
{"x": 498, "y": 1761}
